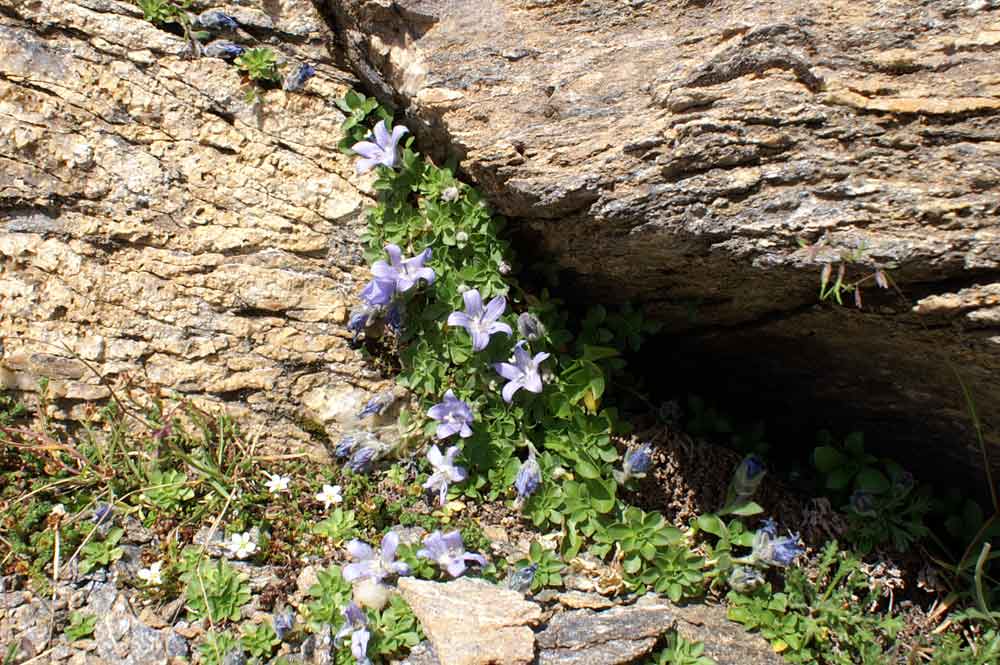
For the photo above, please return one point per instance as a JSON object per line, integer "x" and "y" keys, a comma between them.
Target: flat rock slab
{"x": 471, "y": 622}
{"x": 727, "y": 643}
{"x": 619, "y": 635}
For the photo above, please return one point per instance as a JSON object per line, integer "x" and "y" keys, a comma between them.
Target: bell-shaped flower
{"x": 745, "y": 481}
{"x": 355, "y": 626}
{"x": 529, "y": 477}
{"x": 638, "y": 459}
{"x": 448, "y": 552}
{"x": 523, "y": 372}
{"x": 370, "y": 564}
{"x": 453, "y": 415}
{"x": 481, "y": 322}
{"x": 770, "y": 550}
{"x": 384, "y": 151}
{"x": 379, "y": 292}
{"x": 445, "y": 472}
{"x": 403, "y": 273}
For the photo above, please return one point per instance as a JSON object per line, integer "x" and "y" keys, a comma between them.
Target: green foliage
{"x": 260, "y": 64}
{"x": 97, "y": 553}
{"x": 168, "y": 490}
{"x": 550, "y": 567}
{"x": 330, "y": 593}
{"x": 395, "y": 630}
{"x": 217, "y": 646}
{"x": 215, "y": 591}
{"x": 361, "y": 112}
{"x": 339, "y": 526}
{"x": 81, "y": 625}
{"x": 849, "y": 467}
{"x": 162, "y": 11}
{"x": 953, "y": 649}
{"x": 678, "y": 651}
{"x": 259, "y": 640}
{"x": 825, "y": 619}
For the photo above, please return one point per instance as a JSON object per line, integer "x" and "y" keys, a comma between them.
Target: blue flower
{"x": 401, "y": 273}
{"x": 216, "y": 21}
{"x": 379, "y": 404}
{"x": 297, "y": 79}
{"x": 445, "y": 472}
{"x": 522, "y": 373}
{"x": 773, "y": 551}
{"x": 384, "y": 151}
{"x": 481, "y": 322}
{"x": 355, "y": 626}
{"x": 454, "y": 415}
{"x": 102, "y": 511}
{"x": 362, "y": 459}
{"x": 448, "y": 552}
{"x": 374, "y": 565}
{"x": 223, "y": 49}
{"x": 379, "y": 292}
{"x": 638, "y": 459}
{"x": 528, "y": 479}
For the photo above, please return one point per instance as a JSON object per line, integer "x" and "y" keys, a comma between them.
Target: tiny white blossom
{"x": 277, "y": 483}
{"x": 59, "y": 510}
{"x": 329, "y": 495}
{"x": 153, "y": 575}
{"x": 240, "y": 546}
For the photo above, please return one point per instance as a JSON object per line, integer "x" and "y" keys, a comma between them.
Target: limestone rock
{"x": 472, "y": 622}
{"x": 673, "y": 154}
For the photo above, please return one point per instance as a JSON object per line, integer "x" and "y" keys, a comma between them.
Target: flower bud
{"x": 744, "y": 579}
{"x": 450, "y": 194}
{"x": 530, "y": 327}
{"x": 529, "y": 477}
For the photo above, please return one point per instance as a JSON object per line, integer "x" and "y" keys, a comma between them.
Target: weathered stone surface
{"x": 673, "y": 153}
{"x": 159, "y": 234}
{"x": 471, "y": 622}
{"x": 725, "y": 642}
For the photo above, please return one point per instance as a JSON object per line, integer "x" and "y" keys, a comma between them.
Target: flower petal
{"x": 353, "y": 572}
{"x": 508, "y": 390}
{"x": 480, "y": 340}
{"x": 533, "y": 382}
{"x": 508, "y": 371}
{"x": 360, "y": 550}
{"x": 438, "y": 412}
{"x": 397, "y": 133}
{"x": 473, "y": 303}
{"x": 459, "y": 319}
{"x": 382, "y": 135}
{"x": 478, "y": 558}
{"x": 395, "y": 255}
{"x": 363, "y": 166}
{"x": 390, "y": 542}
{"x": 494, "y": 310}
{"x": 367, "y": 149}
{"x": 445, "y": 430}
{"x": 435, "y": 457}
{"x": 500, "y": 328}
{"x": 455, "y": 567}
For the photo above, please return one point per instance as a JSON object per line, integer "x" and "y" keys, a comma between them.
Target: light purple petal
{"x": 405, "y": 282}
{"x": 363, "y": 166}
{"x": 382, "y": 134}
{"x": 439, "y": 411}
{"x": 426, "y": 274}
{"x": 508, "y": 371}
{"x": 359, "y": 645}
{"x": 473, "y": 303}
{"x": 444, "y": 430}
{"x": 455, "y": 567}
{"x": 453, "y": 540}
{"x": 383, "y": 270}
{"x": 367, "y": 149}
{"x": 465, "y": 432}
{"x": 450, "y": 455}
{"x": 459, "y": 319}
{"x": 353, "y": 572}
{"x": 508, "y": 391}
{"x": 449, "y": 396}
{"x": 539, "y": 357}
{"x": 390, "y": 542}
{"x": 395, "y": 255}
{"x": 360, "y": 550}
{"x": 495, "y": 308}
{"x": 478, "y": 558}
{"x": 521, "y": 357}
{"x": 458, "y": 474}
{"x": 397, "y": 133}
{"x": 435, "y": 457}
{"x": 533, "y": 382}
{"x": 400, "y": 568}
{"x": 443, "y": 494}
{"x": 500, "y": 327}
{"x": 480, "y": 339}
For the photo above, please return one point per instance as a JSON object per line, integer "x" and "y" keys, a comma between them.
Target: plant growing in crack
{"x": 854, "y": 266}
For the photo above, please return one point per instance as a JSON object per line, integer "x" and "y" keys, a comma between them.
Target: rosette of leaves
{"x": 341, "y": 525}
{"x": 395, "y": 629}
{"x": 330, "y": 593}
{"x": 361, "y": 112}
{"x": 215, "y": 591}
{"x": 167, "y": 490}
{"x": 260, "y": 65}
{"x": 98, "y": 553}
{"x": 259, "y": 640}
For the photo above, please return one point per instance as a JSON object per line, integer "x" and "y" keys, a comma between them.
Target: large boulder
{"x": 160, "y": 234}
{"x": 675, "y": 153}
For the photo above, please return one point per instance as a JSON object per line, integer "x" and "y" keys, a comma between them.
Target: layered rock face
{"x": 675, "y": 153}
{"x": 161, "y": 235}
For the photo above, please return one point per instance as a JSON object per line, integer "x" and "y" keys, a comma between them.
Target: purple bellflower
{"x": 448, "y": 552}
{"x": 372, "y": 565}
{"x": 402, "y": 273}
{"x": 384, "y": 151}
{"x": 445, "y": 472}
{"x": 101, "y": 513}
{"x": 454, "y": 415}
{"x": 355, "y": 626}
{"x": 379, "y": 404}
{"x": 638, "y": 459}
{"x": 216, "y": 21}
{"x": 224, "y": 50}
{"x": 362, "y": 459}
{"x": 529, "y": 477}
{"x": 379, "y": 292}
{"x": 297, "y": 79}
{"x": 773, "y": 551}
{"x": 522, "y": 373}
{"x": 481, "y": 322}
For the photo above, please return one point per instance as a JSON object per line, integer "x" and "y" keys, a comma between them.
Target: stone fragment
{"x": 472, "y": 622}
{"x": 583, "y": 600}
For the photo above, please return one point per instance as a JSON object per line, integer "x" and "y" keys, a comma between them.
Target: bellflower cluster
{"x": 454, "y": 415}
{"x": 481, "y": 322}
{"x": 638, "y": 459}
{"x": 378, "y": 404}
{"x": 445, "y": 472}
{"x": 448, "y": 552}
{"x": 769, "y": 550}
{"x": 529, "y": 477}
{"x": 381, "y": 296}
{"x": 356, "y": 627}
{"x": 383, "y": 152}
{"x": 522, "y": 372}
{"x": 374, "y": 565}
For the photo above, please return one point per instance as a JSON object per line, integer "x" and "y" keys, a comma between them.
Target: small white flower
{"x": 240, "y": 546}
{"x": 450, "y": 194}
{"x": 153, "y": 575}
{"x": 59, "y": 510}
{"x": 277, "y": 483}
{"x": 329, "y": 495}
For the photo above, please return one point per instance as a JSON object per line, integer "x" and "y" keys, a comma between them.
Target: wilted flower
{"x": 216, "y": 21}
{"x": 881, "y": 279}
{"x": 277, "y": 483}
{"x": 384, "y": 151}
{"x": 394, "y": 316}
{"x": 481, "y": 322}
{"x": 448, "y": 552}
{"x": 283, "y": 622}
{"x": 445, "y": 472}
{"x": 773, "y": 551}
{"x": 450, "y": 194}
{"x": 362, "y": 459}
{"x": 521, "y": 579}
{"x": 297, "y": 79}
{"x": 503, "y": 267}
{"x": 529, "y": 477}
{"x": 378, "y": 404}
{"x": 638, "y": 459}
{"x": 745, "y": 481}
{"x": 153, "y": 576}
{"x": 241, "y": 545}
{"x": 351, "y": 442}
{"x": 403, "y": 273}
{"x": 355, "y": 626}
{"x": 374, "y": 565}
{"x": 530, "y": 327}
{"x": 523, "y": 373}
{"x": 329, "y": 495}
{"x": 101, "y": 512}
{"x": 745, "y": 579}
{"x": 58, "y": 510}
{"x": 454, "y": 415}
{"x": 223, "y": 49}
{"x": 359, "y": 319}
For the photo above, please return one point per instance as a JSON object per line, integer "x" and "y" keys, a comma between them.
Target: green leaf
{"x": 712, "y": 524}
{"x": 587, "y": 469}
{"x": 827, "y": 458}
{"x": 871, "y": 480}
{"x": 747, "y": 509}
